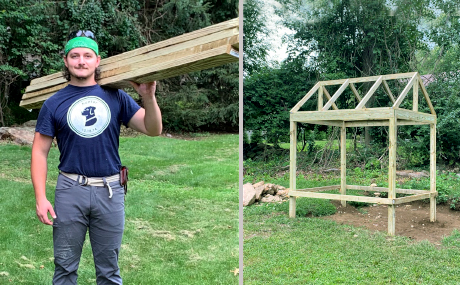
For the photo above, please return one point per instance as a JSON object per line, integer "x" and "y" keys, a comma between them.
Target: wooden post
{"x": 292, "y": 168}
{"x": 415, "y": 98}
{"x": 392, "y": 132}
{"x": 343, "y": 162}
{"x": 320, "y": 98}
{"x": 432, "y": 172}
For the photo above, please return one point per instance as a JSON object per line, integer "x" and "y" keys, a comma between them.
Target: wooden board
{"x": 198, "y": 50}
{"x": 230, "y": 24}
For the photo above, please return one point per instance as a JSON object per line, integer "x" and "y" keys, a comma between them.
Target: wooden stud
{"x": 336, "y": 95}
{"x": 404, "y": 92}
{"x": 320, "y": 98}
{"x": 343, "y": 162}
{"x": 344, "y": 115}
{"x": 370, "y": 78}
{"x": 415, "y": 96}
{"x": 305, "y": 98}
{"x": 319, "y": 189}
{"x": 201, "y": 33}
{"x": 388, "y": 91}
{"x": 292, "y": 168}
{"x": 392, "y": 174}
{"x": 369, "y": 94}
{"x": 425, "y": 94}
{"x": 376, "y": 123}
{"x": 161, "y": 70}
{"x": 411, "y": 198}
{"x": 325, "y": 123}
{"x": 353, "y": 88}
{"x": 414, "y": 116}
{"x": 385, "y": 189}
{"x": 366, "y": 199}
{"x": 182, "y": 65}
{"x": 334, "y": 106}
{"x": 433, "y": 172}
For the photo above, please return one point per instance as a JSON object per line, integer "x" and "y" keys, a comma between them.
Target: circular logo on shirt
{"x": 89, "y": 116}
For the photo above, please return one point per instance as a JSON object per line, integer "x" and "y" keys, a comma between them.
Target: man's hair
{"x": 66, "y": 73}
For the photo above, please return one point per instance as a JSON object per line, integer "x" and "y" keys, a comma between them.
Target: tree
{"x": 33, "y": 33}
{"x": 254, "y": 37}
{"x": 269, "y": 95}
{"x": 356, "y": 38}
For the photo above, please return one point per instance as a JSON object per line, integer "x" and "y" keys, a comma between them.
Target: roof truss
{"x": 414, "y": 83}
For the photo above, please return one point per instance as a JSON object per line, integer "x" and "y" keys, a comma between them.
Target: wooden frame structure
{"x": 363, "y": 117}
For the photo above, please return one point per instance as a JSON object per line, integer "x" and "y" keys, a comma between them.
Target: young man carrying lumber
{"x": 85, "y": 118}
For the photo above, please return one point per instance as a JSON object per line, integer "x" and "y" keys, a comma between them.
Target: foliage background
{"x": 356, "y": 38}
{"x": 33, "y": 33}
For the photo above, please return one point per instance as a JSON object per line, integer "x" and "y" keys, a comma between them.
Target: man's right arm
{"x": 38, "y": 171}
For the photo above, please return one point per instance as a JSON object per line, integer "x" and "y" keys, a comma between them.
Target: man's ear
{"x": 98, "y": 60}
{"x": 65, "y": 61}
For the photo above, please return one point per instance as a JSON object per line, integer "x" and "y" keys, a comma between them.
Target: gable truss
{"x": 415, "y": 82}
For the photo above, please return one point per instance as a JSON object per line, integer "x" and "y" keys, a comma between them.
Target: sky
{"x": 278, "y": 51}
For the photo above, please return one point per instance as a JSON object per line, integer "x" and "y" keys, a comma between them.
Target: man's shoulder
{"x": 110, "y": 89}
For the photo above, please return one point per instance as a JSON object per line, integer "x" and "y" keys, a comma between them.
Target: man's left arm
{"x": 147, "y": 120}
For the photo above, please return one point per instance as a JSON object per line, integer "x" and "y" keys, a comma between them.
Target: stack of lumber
{"x": 209, "y": 47}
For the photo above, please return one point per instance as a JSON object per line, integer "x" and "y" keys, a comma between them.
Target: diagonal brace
{"x": 404, "y": 92}
{"x": 336, "y": 95}
{"x": 369, "y": 93}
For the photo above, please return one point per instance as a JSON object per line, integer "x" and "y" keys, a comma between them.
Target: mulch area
{"x": 412, "y": 219}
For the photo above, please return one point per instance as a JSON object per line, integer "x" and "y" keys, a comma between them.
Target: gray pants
{"x": 79, "y": 208}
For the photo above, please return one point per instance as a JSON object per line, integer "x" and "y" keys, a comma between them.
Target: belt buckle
{"x": 85, "y": 180}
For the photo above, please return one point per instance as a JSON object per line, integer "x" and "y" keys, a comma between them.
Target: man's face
{"x": 82, "y": 62}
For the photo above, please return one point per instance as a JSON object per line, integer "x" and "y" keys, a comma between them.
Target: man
{"x": 85, "y": 118}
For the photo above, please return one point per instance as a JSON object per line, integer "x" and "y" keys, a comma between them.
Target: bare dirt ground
{"x": 412, "y": 220}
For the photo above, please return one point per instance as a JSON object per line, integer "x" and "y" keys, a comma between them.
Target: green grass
{"x": 310, "y": 250}
{"x": 181, "y": 214}
{"x": 279, "y": 250}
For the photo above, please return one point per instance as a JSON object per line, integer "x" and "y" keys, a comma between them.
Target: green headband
{"x": 81, "y": 42}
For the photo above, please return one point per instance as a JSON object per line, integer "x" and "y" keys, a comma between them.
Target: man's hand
{"x": 146, "y": 90}
{"x": 148, "y": 119}
{"x": 43, "y": 207}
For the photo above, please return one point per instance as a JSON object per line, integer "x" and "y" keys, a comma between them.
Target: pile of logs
{"x": 205, "y": 48}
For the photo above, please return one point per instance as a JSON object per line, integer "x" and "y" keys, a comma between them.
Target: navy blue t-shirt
{"x": 86, "y": 123}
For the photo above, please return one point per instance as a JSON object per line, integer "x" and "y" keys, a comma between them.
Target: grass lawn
{"x": 181, "y": 214}
{"x": 280, "y": 250}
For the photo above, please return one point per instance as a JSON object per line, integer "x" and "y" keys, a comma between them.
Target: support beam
{"x": 404, "y": 92}
{"x": 334, "y": 106}
{"x": 369, "y": 94}
{"x": 373, "y": 200}
{"x": 336, "y": 95}
{"x": 392, "y": 175}
{"x": 370, "y": 78}
{"x": 415, "y": 96}
{"x": 353, "y": 88}
{"x": 343, "y": 162}
{"x": 388, "y": 91}
{"x": 319, "y": 189}
{"x": 292, "y": 168}
{"x": 425, "y": 94}
{"x": 320, "y": 98}
{"x": 305, "y": 98}
{"x": 433, "y": 171}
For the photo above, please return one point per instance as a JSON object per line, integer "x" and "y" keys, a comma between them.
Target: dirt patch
{"x": 412, "y": 220}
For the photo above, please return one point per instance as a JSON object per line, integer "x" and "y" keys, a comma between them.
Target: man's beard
{"x": 81, "y": 78}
